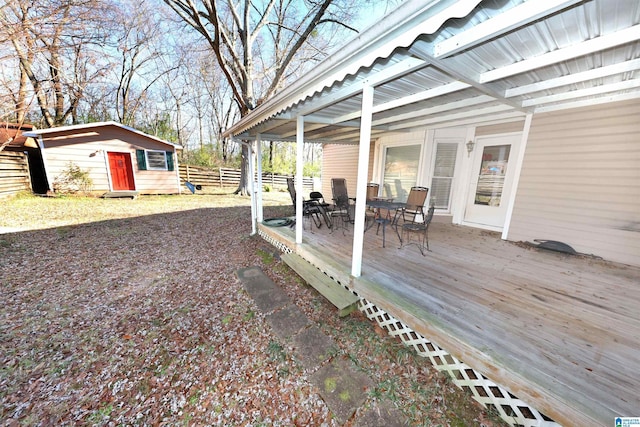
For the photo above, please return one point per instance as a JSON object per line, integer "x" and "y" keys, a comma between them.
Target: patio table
{"x": 389, "y": 206}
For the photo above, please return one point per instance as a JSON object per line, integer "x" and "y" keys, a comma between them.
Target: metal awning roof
{"x": 470, "y": 62}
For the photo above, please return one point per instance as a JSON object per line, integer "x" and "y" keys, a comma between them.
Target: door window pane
{"x": 492, "y": 173}
{"x": 443, "y": 170}
{"x": 400, "y": 171}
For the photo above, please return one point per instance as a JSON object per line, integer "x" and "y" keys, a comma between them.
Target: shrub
{"x": 72, "y": 180}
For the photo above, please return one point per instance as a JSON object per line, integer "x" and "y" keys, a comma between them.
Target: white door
{"x": 492, "y": 175}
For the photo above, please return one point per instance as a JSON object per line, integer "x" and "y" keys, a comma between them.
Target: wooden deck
{"x": 560, "y": 332}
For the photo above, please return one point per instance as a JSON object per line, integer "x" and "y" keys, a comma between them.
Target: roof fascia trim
{"x": 40, "y": 132}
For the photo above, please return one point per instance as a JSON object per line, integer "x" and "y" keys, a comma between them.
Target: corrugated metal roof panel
{"x": 526, "y": 59}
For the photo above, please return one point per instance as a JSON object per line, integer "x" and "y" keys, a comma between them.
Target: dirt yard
{"x": 129, "y": 312}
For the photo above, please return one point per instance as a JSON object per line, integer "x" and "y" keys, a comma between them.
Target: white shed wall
{"x": 88, "y": 150}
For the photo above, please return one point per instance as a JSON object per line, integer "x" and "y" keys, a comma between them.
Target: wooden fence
{"x": 14, "y": 173}
{"x": 225, "y": 177}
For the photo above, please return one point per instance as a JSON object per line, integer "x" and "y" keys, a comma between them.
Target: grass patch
{"x": 266, "y": 257}
{"x": 276, "y": 351}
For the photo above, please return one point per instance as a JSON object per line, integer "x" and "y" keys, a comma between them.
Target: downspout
{"x": 516, "y": 178}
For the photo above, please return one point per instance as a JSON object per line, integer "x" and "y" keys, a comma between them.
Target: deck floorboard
{"x": 542, "y": 323}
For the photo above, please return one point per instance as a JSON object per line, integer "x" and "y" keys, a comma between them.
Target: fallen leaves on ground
{"x": 138, "y": 318}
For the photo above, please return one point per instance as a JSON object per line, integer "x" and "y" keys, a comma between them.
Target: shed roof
{"x": 12, "y": 136}
{"x": 89, "y": 126}
{"x": 448, "y": 63}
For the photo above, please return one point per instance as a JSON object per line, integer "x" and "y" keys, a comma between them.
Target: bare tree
{"x": 140, "y": 46}
{"x": 258, "y": 44}
{"x": 222, "y": 110}
{"x": 53, "y": 43}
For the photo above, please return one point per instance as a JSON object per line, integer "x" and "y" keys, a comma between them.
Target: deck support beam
{"x": 361, "y": 183}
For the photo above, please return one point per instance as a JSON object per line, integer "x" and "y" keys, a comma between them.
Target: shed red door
{"x": 121, "y": 171}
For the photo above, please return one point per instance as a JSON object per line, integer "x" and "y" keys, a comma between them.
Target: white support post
{"x": 518, "y": 165}
{"x": 260, "y": 210}
{"x": 298, "y": 178}
{"x": 252, "y": 188}
{"x": 361, "y": 188}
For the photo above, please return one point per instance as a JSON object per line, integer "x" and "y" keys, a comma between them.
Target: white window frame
{"x": 164, "y": 157}
{"x": 381, "y": 150}
{"x": 434, "y": 148}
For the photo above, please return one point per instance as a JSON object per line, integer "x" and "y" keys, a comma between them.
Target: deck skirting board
{"x": 489, "y": 394}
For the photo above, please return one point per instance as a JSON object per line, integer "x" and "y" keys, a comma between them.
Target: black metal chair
{"x": 420, "y": 230}
{"x": 341, "y": 210}
{"x": 310, "y": 208}
{"x": 323, "y": 206}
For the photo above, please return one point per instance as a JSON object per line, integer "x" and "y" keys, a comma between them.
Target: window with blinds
{"x": 443, "y": 170}
{"x": 156, "y": 160}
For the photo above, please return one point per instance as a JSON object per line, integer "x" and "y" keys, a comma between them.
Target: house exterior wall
{"x": 580, "y": 181}
{"x": 341, "y": 161}
{"x": 501, "y": 128}
{"x": 88, "y": 150}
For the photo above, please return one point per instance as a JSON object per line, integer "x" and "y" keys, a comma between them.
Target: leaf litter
{"x": 129, "y": 313}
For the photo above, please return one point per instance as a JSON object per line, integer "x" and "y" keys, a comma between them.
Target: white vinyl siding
{"x": 341, "y": 161}
{"x": 580, "y": 181}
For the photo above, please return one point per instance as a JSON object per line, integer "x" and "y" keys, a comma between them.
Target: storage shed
{"x": 117, "y": 158}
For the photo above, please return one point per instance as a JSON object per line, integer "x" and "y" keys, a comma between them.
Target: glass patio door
{"x": 401, "y": 165}
{"x": 491, "y": 180}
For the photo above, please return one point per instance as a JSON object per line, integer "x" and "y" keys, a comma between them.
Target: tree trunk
{"x": 243, "y": 186}
{"x": 271, "y": 155}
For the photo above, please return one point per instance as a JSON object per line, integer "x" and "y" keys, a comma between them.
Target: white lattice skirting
{"x": 494, "y": 397}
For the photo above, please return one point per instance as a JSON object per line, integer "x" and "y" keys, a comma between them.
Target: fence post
{"x": 220, "y": 174}
{"x": 188, "y": 177}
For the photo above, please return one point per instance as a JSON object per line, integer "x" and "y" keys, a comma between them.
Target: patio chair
{"x": 323, "y": 206}
{"x": 310, "y": 208}
{"x": 341, "y": 211}
{"x": 372, "y": 191}
{"x": 415, "y": 203}
{"x": 372, "y": 194}
{"x": 387, "y": 191}
{"x": 419, "y": 230}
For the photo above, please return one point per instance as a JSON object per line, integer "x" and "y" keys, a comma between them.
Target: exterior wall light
{"x": 470, "y": 146}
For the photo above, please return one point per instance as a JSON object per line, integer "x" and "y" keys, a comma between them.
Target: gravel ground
{"x": 129, "y": 312}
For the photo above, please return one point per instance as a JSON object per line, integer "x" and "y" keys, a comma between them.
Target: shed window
{"x": 155, "y": 160}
